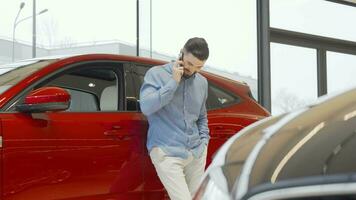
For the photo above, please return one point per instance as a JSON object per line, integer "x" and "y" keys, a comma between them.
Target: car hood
{"x": 228, "y": 161}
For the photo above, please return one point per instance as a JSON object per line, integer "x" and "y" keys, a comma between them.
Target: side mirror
{"x": 45, "y": 99}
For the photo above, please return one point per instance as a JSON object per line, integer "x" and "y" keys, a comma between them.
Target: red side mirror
{"x": 45, "y": 99}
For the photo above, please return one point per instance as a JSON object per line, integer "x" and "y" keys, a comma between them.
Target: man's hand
{"x": 178, "y": 71}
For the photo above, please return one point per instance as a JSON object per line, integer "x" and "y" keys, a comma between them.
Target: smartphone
{"x": 181, "y": 54}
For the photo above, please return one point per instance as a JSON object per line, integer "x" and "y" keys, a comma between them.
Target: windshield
{"x": 12, "y": 73}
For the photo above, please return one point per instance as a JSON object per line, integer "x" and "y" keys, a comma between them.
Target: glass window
{"x": 218, "y": 97}
{"x": 341, "y": 69}
{"x": 91, "y": 89}
{"x": 228, "y": 26}
{"x": 69, "y": 27}
{"x": 138, "y": 76}
{"x": 293, "y": 77}
{"x": 139, "y": 73}
{"x": 145, "y": 28}
{"x": 82, "y": 101}
{"x": 131, "y": 91}
{"x": 317, "y": 17}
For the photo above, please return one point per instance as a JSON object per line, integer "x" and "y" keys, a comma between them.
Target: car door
{"x": 222, "y": 124}
{"x": 152, "y": 187}
{"x": 93, "y": 150}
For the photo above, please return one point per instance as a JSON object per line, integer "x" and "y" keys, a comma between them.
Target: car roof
{"x": 53, "y": 57}
{"x": 318, "y": 140}
{"x": 95, "y": 56}
{"x": 125, "y": 57}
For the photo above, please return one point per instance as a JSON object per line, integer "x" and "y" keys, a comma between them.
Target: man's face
{"x": 191, "y": 65}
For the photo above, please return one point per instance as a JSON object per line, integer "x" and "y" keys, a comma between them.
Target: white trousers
{"x": 180, "y": 177}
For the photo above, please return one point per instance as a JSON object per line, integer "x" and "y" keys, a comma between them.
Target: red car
{"x": 71, "y": 127}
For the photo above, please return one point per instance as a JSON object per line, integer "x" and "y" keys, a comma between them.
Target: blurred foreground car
{"x": 308, "y": 154}
{"x": 71, "y": 127}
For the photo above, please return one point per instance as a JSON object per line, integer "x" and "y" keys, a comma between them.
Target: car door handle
{"x": 111, "y": 133}
{"x": 116, "y": 134}
{"x": 116, "y": 127}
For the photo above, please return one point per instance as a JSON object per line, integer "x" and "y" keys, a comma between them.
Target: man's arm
{"x": 203, "y": 122}
{"x": 153, "y": 97}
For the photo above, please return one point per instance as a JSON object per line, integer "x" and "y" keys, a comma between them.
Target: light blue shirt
{"x": 176, "y": 112}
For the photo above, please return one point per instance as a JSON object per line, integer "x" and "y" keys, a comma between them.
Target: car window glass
{"x": 91, "y": 89}
{"x": 218, "y": 97}
{"x": 131, "y": 96}
{"x": 139, "y": 75}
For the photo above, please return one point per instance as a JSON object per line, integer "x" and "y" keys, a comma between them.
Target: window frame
{"x": 130, "y": 80}
{"x": 116, "y": 66}
{"x": 136, "y": 83}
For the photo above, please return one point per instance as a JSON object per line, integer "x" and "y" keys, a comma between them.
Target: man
{"x": 173, "y": 98}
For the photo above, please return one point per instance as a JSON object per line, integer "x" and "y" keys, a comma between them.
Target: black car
{"x": 306, "y": 154}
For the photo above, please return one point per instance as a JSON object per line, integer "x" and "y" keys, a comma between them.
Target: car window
{"x": 130, "y": 90}
{"x": 138, "y": 74}
{"x": 219, "y": 98}
{"x": 93, "y": 87}
{"x": 82, "y": 101}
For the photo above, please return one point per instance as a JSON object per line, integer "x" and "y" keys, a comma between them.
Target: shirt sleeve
{"x": 153, "y": 96}
{"x": 203, "y": 121}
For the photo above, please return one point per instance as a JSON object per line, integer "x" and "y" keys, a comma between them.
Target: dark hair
{"x": 198, "y": 47}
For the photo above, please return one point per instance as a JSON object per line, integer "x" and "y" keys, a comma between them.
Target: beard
{"x": 186, "y": 76}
